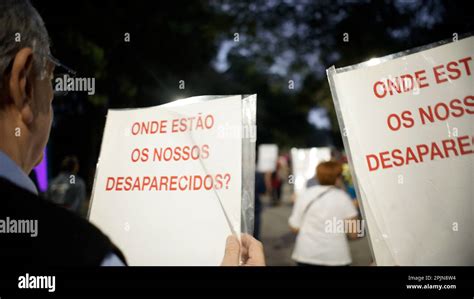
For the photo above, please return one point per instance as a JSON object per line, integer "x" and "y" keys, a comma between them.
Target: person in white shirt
{"x": 316, "y": 214}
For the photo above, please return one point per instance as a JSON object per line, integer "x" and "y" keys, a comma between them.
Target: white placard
{"x": 267, "y": 157}
{"x": 165, "y": 176}
{"x": 408, "y": 122}
{"x": 304, "y": 162}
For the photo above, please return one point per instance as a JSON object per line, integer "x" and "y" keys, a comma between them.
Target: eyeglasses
{"x": 61, "y": 66}
{"x": 61, "y": 72}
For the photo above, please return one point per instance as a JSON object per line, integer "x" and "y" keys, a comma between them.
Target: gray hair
{"x": 21, "y": 26}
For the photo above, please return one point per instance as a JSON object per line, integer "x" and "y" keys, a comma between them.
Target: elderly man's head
{"x": 26, "y": 89}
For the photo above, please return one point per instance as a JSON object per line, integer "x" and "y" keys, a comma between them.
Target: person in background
{"x": 267, "y": 179}
{"x": 260, "y": 190}
{"x": 313, "y": 219}
{"x": 26, "y": 114}
{"x": 276, "y": 187}
{"x": 68, "y": 189}
{"x": 349, "y": 184}
{"x": 312, "y": 182}
{"x": 279, "y": 176}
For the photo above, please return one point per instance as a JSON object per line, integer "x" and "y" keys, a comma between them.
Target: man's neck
{"x": 12, "y": 144}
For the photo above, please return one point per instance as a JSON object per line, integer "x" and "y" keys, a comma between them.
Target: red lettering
{"x": 441, "y": 114}
{"x": 436, "y": 151}
{"x": 369, "y": 164}
{"x": 164, "y": 183}
{"x": 422, "y": 150}
{"x": 466, "y": 65}
{"x": 469, "y": 104}
{"x": 392, "y": 127}
{"x": 452, "y": 68}
{"x": 118, "y": 186}
{"x": 108, "y": 186}
{"x": 449, "y": 147}
{"x": 384, "y": 90}
{"x": 439, "y": 74}
{"x": 420, "y": 78}
{"x": 410, "y": 156}
{"x": 385, "y": 159}
{"x": 173, "y": 182}
{"x": 463, "y": 145}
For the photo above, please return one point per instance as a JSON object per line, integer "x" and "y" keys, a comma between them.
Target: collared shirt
{"x": 9, "y": 170}
{"x": 13, "y": 173}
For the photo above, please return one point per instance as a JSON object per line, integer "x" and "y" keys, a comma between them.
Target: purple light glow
{"x": 42, "y": 173}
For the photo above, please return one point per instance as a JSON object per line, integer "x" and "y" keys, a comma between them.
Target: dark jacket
{"x": 63, "y": 238}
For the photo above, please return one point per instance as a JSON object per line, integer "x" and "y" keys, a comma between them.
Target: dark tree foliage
{"x": 181, "y": 40}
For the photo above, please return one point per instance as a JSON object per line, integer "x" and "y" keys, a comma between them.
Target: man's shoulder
{"x": 18, "y": 201}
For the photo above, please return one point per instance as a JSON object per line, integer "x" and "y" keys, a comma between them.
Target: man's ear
{"x": 20, "y": 85}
